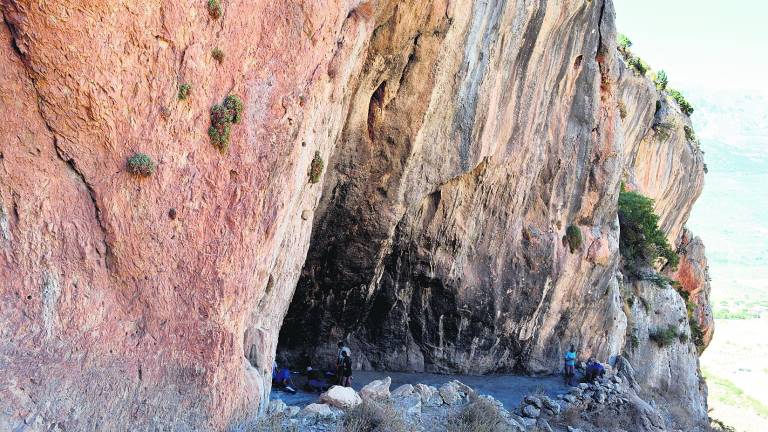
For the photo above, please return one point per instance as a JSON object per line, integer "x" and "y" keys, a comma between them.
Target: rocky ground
{"x": 612, "y": 403}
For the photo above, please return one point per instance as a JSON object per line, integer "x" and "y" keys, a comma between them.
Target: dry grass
{"x": 481, "y": 415}
{"x": 373, "y": 417}
{"x": 265, "y": 424}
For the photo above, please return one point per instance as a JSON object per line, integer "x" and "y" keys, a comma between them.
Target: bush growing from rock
{"x": 664, "y": 336}
{"x": 235, "y": 106}
{"x": 573, "y": 236}
{"x": 184, "y": 91}
{"x": 622, "y": 110}
{"x": 214, "y": 9}
{"x": 684, "y": 105}
{"x": 690, "y": 135}
{"x": 218, "y": 55}
{"x": 624, "y": 44}
{"x": 222, "y": 118}
{"x": 638, "y": 65}
{"x": 316, "y": 168}
{"x": 661, "y": 80}
{"x": 141, "y": 164}
{"x": 641, "y": 241}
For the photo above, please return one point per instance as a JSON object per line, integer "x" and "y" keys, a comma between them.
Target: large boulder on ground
{"x": 532, "y": 400}
{"x": 291, "y": 411}
{"x": 376, "y": 390}
{"x": 316, "y": 410}
{"x": 531, "y": 411}
{"x": 453, "y": 392}
{"x": 341, "y": 397}
{"x": 276, "y": 406}
{"x": 429, "y": 395}
{"x": 550, "y": 406}
{"x": 408, "y": 405}
{"x": 403, "y": 390}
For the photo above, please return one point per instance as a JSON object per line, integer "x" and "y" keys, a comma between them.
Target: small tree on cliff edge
{"x": 641, "y": 242}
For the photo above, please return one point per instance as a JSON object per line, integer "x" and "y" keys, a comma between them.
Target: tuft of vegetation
{"x": 573, "y": 237}
{"x": 624, "y": 44}
{"x": 222, "y": 118}
{"x": 373, "y": 416}
{"x": 684, "y": 105}
{"x": 661, "y": 80}
{"x": 235, "y": 106}
{"x": 316, "y": 168}
{"x": 664, "y": 336}
{"x": 480, "y": 415}
{"x": 639, "y": 65}
{"x": 641, "y": 242}
{"x": 690, "y": 135}
{"x": 622, "y": 110}
{"x": 184, "y": 91}
{"x": 218, "y": 55}
{"x": 141, "y": 164}
{"x": 214, "y": 9}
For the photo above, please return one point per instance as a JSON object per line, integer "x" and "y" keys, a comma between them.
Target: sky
{"x": 716, "y": 53}
{"x": 717, "y": 44}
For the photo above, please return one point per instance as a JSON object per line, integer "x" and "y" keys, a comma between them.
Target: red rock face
{"x": 127, "y": 300}
{"x": 693, "y": 275}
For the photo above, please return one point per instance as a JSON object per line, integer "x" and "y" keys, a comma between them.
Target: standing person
{"x": 570, "y": 365}
{"x": 346, "y": 366}
{"x": 340, "y": 360}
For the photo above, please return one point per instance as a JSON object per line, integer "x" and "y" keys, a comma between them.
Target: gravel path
{"x": 508, "y": 389}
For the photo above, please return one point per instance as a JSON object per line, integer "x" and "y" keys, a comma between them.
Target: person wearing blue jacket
{"x": 570, "y": 366}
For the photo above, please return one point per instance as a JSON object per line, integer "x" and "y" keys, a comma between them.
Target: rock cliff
{"x": 449, "y": 170}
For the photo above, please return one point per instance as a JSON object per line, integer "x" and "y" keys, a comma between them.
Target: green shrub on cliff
{"x": 141, "y": 164}
{"x": 684, "y": 105}
{"x": 218, "y": 55}
{"x": 661, "y": 80}
{"x": 638, "y": 65}
{"x": 184, "y": 91}
{"x": 222, "y": 117}
{"x": 623, "y": 43}
{"x": 316, "y": 168}
{"x": 214, "y": 9}
{"x": 690, "y": 135}
{"x": 664, "y": 336}
{"x": 641, "y": 241}
{"x": 573, "y": 237}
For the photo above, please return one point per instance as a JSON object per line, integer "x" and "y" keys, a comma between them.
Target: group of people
{"x": 317, "y": 380}
{"x": 593, "y": 370}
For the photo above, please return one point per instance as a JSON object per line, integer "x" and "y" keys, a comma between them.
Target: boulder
{"x": 409, "y": 405}
{"x": 569, "y": 398}
{"x": 291, "y": 411}
{"x": 452, "y": 393}
{"x": 533, "y": 400}
{"x": 531, "y": 411}
{"x": 316, "y": 410}
{"x": 376, "y": 390}
{"x": 543, "y": 426}
{"x": 276, "y": 406}
{"x": 550, "y": 405}
{"x": 403, "y": 390}
{"x": 341, "y": 397}
{"x": 429, "y": 395}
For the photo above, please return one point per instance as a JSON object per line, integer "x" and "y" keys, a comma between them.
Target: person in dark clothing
{"x": 281, "y": 379}
{"x": 316, "y": 381}
{"x": 594, "y": 371}
{"x": 346, "y": 370}
{"x": 339, "y": 360}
